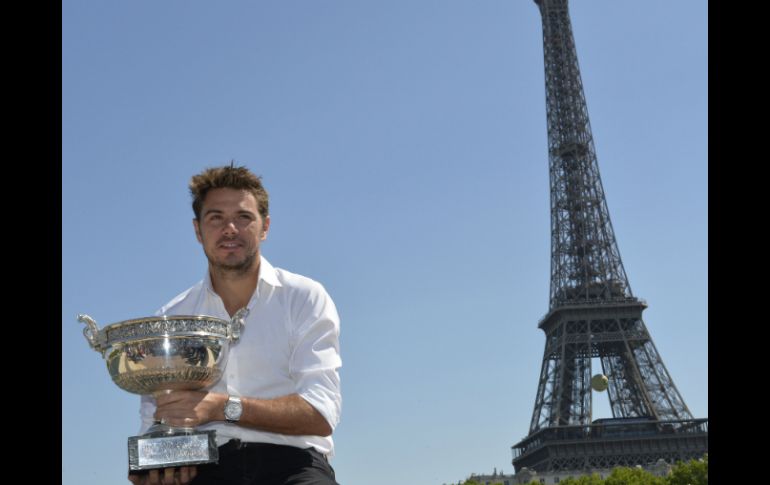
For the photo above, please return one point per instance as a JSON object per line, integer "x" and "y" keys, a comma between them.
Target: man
{"x": 278, "y": 401}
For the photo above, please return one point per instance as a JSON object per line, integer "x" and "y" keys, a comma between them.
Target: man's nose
{"x": 230, "y": 227}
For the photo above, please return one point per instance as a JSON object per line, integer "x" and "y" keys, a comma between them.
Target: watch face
{"x": 233, "y": 410}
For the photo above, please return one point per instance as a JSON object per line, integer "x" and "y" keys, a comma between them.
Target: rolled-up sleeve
{"x": 315, "y": 360}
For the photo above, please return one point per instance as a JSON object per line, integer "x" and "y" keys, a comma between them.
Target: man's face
{"x": 231, "y": 229}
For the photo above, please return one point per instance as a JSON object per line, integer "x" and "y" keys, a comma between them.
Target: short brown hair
{"x": 230, "y": 177}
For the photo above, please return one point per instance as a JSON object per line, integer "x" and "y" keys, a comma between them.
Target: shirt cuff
{"x": 326, "y": 402}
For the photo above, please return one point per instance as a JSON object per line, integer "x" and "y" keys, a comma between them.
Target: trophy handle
{"x": 236, "y": 324}
{"x": 91, "y": 332}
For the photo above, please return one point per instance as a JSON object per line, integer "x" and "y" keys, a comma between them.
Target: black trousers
{"x": 266, "y": 464}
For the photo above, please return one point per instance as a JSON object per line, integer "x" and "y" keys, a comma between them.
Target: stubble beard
{"x": 240, "y": 268}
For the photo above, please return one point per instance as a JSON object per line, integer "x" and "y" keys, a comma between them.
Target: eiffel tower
{"x": 592, "y": 312}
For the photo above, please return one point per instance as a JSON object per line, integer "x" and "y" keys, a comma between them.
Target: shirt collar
{"x": 267, "y": 274}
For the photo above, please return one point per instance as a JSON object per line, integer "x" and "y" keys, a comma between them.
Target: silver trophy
{"x": 156, "y": 355}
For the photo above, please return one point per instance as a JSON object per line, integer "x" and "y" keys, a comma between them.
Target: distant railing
{"x": 574, "y": 304}
{"x": 610, "y": 428}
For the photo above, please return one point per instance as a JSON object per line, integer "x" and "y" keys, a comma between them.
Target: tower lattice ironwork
{"x": 592, "y": 312}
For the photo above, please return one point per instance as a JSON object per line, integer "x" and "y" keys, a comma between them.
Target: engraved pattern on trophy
{"x": 156, "y": 355}
{"x": 141, "y": 367}
{"x": 180, "y": 325}
{"x": 592, "y": 312}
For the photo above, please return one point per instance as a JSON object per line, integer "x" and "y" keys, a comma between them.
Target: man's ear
{"x": 197, "y": 228}
{"x": 265, "y": 228}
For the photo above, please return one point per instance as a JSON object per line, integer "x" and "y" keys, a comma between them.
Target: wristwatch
{"x": 233, "y": 409}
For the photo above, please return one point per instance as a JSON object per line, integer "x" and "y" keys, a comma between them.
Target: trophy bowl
{"x": 161, "y": 354}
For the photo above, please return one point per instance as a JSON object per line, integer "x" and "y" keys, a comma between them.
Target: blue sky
{"x": 403, "y": 144}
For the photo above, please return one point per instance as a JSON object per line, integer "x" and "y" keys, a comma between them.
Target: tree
{"x": 693, "y": 472}
{"x": 633, "y": 476}
{"x": 593, "y": 479}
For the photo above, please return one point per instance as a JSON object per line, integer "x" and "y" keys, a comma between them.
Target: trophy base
{"x": 172, "y": 447}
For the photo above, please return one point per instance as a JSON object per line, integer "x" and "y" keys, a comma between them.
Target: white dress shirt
{"x": 289, "y": 344}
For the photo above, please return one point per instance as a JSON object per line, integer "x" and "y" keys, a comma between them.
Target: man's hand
{"x": 190, "y": 408}
{"x": 164, "y": 476}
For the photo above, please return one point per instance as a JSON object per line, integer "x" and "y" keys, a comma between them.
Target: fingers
{"x": 181, "y": 408}
{"x": 153, "y": 477}
{"x": 186, "y": 474}
{"x": 165, "y": 476}
{"x": 179, "y": 396}
{"x": 136, "y": 478}
{"x": 178, "y": 421}
{"x": 168, "y": 476}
